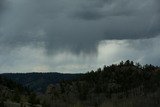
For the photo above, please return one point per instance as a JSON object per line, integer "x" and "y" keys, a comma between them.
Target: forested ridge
{"x": 122, "y": 77}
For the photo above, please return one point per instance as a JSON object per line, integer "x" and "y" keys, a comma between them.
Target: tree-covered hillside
{"x": 125, "y": 83}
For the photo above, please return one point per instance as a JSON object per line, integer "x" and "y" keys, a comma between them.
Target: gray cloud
{"x": 76, "y": 26}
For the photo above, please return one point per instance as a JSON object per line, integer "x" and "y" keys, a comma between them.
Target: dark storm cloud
{"x": 124, "y": 19}
{"x": 76, "y": 25}
{"x": 95, "y": 10}
{"x": 89, "y": 14}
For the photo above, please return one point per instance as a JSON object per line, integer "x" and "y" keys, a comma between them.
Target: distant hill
{"x": 39, "y": 81}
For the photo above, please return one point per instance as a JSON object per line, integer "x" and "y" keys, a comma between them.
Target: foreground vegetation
{"x": 15, "y": 95}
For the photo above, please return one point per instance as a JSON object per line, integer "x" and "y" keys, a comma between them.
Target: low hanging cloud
{"x": 33, "y": 59}
{"x": 76, "y": 25}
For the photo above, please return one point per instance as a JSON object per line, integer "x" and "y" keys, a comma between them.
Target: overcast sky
{"x": 77, "y": 35}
